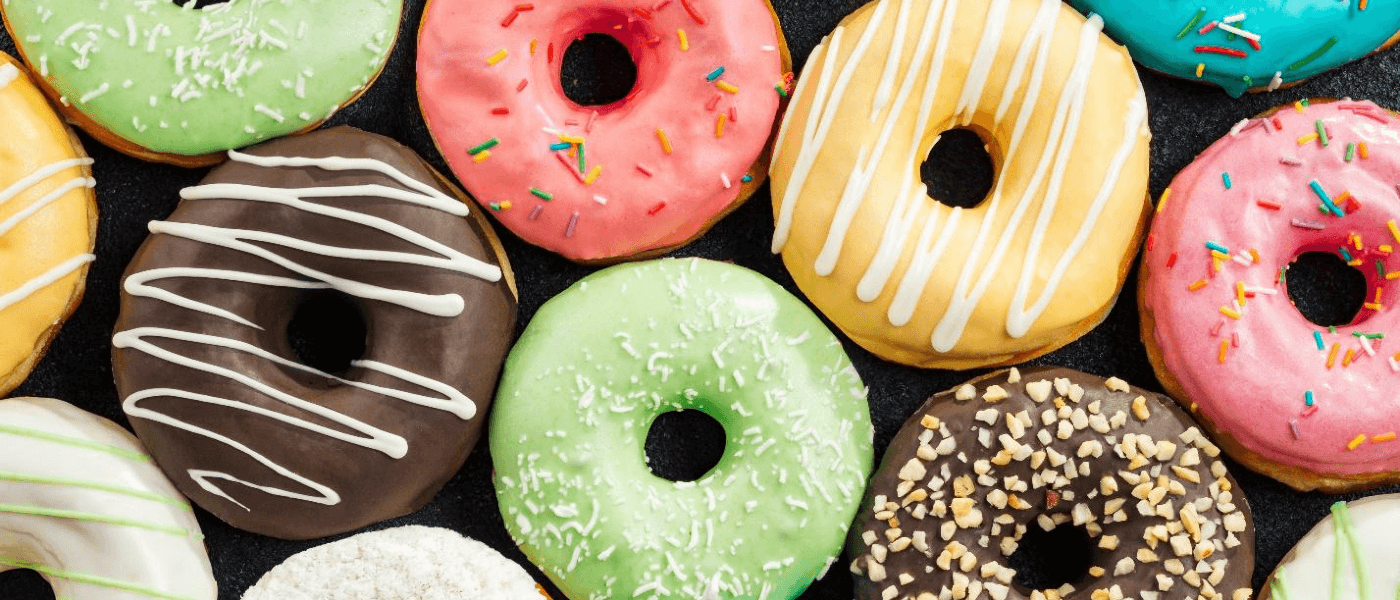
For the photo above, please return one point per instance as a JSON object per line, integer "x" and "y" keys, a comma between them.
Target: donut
{"x": 403, "y": 563}
{"x": 918, "y": 282}
{"x": 203, "y": 363}
{"x": 600, "y": 362}
{"x": 166, "y": 81}
{"x": 627, "y": 180}
{"x": 93, "y": 516}
{"x": 1358, "y": 539}
{"x": 48, "y": 224}
{"x": 1304, "y": 404}
{"x": 1248, "y": 46}
{"x": 978, "y": 465}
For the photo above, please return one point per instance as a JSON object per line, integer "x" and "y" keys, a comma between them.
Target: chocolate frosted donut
{"x": 212, "y": 384}
{"x": 978, "y": 465}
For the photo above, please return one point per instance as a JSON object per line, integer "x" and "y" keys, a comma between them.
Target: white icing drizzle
{"x": 8, "y": 74}
{"x": 444, "y": 398}
{"x": 932, "y": 241}
{"x": 63, "y": 269}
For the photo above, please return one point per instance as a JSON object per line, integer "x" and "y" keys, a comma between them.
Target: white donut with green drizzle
{"x": 1358, "y": 539}
{"x": 93, "y": 516}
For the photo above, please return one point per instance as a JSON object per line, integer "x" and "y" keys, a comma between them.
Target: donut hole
{"x": 327, "y": 331}
{"x": 684, "y": 445}
{"x": 1325, "y": 289}
{"x": 24, "y": 584}
{"x": 959, "y": 169}
{"x": 597, "y": 70}
{"x": 1049, "y": 559}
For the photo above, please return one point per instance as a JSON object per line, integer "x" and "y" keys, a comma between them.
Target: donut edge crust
{"x": 758, "y": 169}
{"x": 80, "y": 120}
{"x": 1297, "y": 478}
{"x": 9, "y": 381}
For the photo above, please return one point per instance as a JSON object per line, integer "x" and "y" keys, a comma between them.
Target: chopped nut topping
{"x": 965, "y": 392}
{"x": 1116, "y": 384}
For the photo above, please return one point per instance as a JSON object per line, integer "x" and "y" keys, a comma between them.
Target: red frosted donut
{"x": 637, "y": 177}
{"x": 1313, "y": 407}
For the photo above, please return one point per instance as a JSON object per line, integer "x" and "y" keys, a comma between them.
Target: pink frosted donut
{"x": 1313, "y": 408}
{"x": 634, "y": 178}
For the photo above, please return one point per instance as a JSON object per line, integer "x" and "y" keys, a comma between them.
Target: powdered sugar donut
{"x": 404, "y": 563}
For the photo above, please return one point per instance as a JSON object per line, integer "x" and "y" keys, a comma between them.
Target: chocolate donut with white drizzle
{"x": 976, "y": 466}
{"x": 212, "y": 385}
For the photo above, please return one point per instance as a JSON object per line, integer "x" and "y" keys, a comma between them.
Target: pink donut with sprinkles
{"x": 1314, "y": 407}
{"x": 621, "y": 181}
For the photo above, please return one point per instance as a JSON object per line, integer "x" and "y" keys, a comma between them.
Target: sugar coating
{"x": 404, "y": 563}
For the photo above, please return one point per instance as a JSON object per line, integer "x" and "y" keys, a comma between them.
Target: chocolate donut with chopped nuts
{"x": 977, "y": 465}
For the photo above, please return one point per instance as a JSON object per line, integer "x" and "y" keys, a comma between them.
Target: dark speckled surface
{"x": 1185, "y": 119}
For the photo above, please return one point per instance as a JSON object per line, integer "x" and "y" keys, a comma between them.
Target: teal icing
{"x": 1291, "y": 31}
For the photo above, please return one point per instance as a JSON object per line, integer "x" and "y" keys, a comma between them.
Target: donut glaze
{"x": 403, "y": 563}
{"x": 602, "y": 360}
{"x": 1252, "y": 378}
{"x": 1208, "y": 41}
{"x": 1357, "y": 540}
{"x": 1034, "y": 266}
{"x": 976, "y": 466}
{"x": 48, "y": 222}
{"x": 203, "y": 363}
{"x": 658, "y": 167}
{"x": 160, "y": 79}
{"x": 82, "y": 505}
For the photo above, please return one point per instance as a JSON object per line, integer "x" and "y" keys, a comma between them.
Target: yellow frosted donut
{"x": 1031, "y": 268}
{"x": 48, "y": 221}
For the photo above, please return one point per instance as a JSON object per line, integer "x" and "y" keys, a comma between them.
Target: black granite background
{"x": 1185, "y": 118}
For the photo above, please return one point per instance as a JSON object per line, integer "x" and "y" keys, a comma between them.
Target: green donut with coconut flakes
{"x": 176, "y": 79}
{"x": 596, "y": 367}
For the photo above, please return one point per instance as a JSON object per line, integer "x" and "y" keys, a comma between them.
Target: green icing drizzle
{"x": 1280, "y": 586}
{"x": 91, "y": 485}
{"x": 75, "y": 442}
{"x": 41, "y": 511}
{"x": 1345, "y": 530}
{"x": 97, "y": 580}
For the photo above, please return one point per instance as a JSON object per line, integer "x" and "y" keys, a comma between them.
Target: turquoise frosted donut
{"x": 1276, "y": 42}
{"x": 594, "y": 369}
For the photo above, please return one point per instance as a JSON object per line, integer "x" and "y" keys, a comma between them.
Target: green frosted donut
{"x": 601, "y": 361}
{"x": 186, "y": 81}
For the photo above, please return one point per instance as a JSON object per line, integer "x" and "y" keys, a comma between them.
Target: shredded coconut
{"x": 404, "y": 563}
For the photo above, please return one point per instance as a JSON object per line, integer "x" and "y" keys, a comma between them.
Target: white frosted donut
{"x": 83, "y": 505}
{"x": 1353, "y": 554}
{"x": 404, "y": 563}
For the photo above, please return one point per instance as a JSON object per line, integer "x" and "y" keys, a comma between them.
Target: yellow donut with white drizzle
{"x": 94, "y": 515}
{"x": 48, "y": 223}
{"x": 1036, "y": 264}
